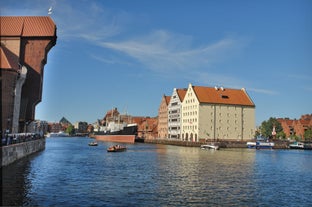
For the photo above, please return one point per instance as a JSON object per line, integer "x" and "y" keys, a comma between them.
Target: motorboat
{"x": 210, "y": 146}
{"x": 116, "y": 148}
{"x": 296, "y": 145}
{"x": 93, "y": 144}
{"x": 260, "y": 145}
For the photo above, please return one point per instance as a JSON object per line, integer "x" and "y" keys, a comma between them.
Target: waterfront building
{"x": 25, "y": 43}
{"x": 55, "y": 127}
{"x": 38, "y": 127}
{"x": 163, "y": 117}
{"x": 217, "y": 114}
{"x": 293, "y": 127}
{"x": 174, "y": 113}
{"x": 81, "y": 127}
{"x": 147, "y": 127}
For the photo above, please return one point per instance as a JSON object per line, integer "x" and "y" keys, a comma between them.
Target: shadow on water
{"x": 15, "y": 184}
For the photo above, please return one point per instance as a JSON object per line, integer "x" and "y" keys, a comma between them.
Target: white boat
{"x": 260, "y": 145}
{"x": 58, "y": 134}
{"x": 209, "y": 146}
{"x": 296, "y": 145}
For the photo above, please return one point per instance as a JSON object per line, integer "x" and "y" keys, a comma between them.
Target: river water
{"x": 71, "y": 173}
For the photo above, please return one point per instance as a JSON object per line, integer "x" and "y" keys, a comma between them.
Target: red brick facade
{"x": 296, "y": 127}
{"x": 25, "y": 41}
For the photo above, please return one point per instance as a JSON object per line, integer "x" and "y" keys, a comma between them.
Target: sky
{"x": 128, "y": 54}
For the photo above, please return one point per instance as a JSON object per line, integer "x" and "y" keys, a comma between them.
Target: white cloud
{"x": 162, "y": 51}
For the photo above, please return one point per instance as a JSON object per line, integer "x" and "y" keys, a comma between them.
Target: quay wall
{"x": 14, "y": 152}
{"x": 222, "y": 144}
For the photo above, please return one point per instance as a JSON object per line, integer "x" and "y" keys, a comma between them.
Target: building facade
{"x": 174, "y": 113}
{"x": 163, "y": 117}
{"x": 294, "y": 127}
{"x": 25, "y": 43}
{"x": 217, "y": 114}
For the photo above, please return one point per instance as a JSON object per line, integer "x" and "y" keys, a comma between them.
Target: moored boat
{"x": 296, "y": 145}
{"x": 58, "y": 134}
{"x": 209, "y": 146}
{"x": 116, "y": 148}
{"x": 260, "y": 145}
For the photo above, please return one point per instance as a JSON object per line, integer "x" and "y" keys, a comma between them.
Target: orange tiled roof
{"x": 27, "y": 26}
{"x": 181, "y": 93}
{"x": 225, "y": 96}
{"x": 167, "y": 99}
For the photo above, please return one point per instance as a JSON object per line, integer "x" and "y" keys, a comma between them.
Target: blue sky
{"x": 127, "y": 54}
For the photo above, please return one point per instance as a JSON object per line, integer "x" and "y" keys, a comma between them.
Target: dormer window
{"x": 224, "y": 96}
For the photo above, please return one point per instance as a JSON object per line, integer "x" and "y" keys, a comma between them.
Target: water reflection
{"x": 70, "y": 173}
{"x": 200, "y": 177}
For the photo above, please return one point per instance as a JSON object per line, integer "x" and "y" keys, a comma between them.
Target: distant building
{"x": 81, "y": 127}
{"x": 38, "y": 127}
{"x": 296, "y": 127}
{"x": 163, "y": 117}
{"x": 25, "y": 43}
{"x": 55, "y": 127}
{"x": 217, "y": 114}
{"x": 174, "y": 113}
{"x": 147, "y": 127}
{"x": 113, "y": 115}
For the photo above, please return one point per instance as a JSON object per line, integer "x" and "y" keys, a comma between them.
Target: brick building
{"x": 163, "y": 117}
{"x": 25, "y": 43}
{"x": 296, "y": 127}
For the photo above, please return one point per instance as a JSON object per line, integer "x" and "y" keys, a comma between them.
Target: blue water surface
{"x": 71, "y": 173}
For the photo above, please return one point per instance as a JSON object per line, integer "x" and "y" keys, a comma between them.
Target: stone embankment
{"x": 14, "y": 152}
{"x": 222, "y": 144}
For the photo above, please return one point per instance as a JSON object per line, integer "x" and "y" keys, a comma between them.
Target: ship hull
{"x": 116, "y": 138}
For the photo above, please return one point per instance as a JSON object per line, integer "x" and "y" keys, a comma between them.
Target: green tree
{"x": 308, "y": 134}
{"x": 70, "y": 130}
{"x": 267, "y": 127}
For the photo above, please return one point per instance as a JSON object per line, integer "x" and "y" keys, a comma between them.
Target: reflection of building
{"x": 296, "y": 127}
{"x": 25, "y": 43}
{"x": 163, "y": 117}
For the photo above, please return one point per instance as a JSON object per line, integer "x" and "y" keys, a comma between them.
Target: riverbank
{"x": 14, "y": 152}
{"x": 278, "y": 144}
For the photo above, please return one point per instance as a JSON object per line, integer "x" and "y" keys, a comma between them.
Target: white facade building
{"x": 217, "y": 114}
{"x": 174, "y": 113}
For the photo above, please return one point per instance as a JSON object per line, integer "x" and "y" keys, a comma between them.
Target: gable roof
{"x": 181, "y": 93}
{"x": 222, "y": 96}
{"x": 27, "y": 26}
{"x": 167, "y": 99}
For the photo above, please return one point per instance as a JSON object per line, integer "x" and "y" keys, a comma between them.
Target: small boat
{"x": 93, "y": 144}
{"x": 296, "y": 145}
{"x": 116, "y": 148}
{"x": 260, "y": 145}
{"x": 209, "y": 146}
